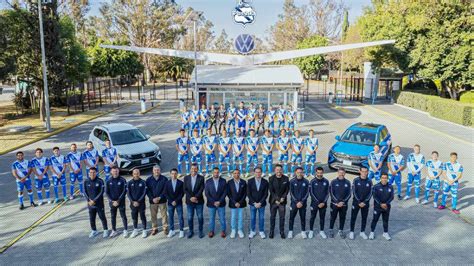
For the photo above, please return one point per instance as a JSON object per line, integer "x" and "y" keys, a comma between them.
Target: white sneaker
{"x": 134, "y": 233}
{"x": 181, "y": 234}
{"x": 241, "y": 234}
{"x": 371, "y": 236}
{"x": 417, "y": 200}
{"x": 387, "y": 236}
{"x": 252, "y": 234}
{"x": 424, "y": 202}
{"x": 49, "y": 201}
{"x": 435, "y": 205}
{"x": 311, "y": 234}
{"x": 105, "y": 234}
{"x": 351, "y": 235}
{"x": 93, "y": 234}
{"x": 323, "y": 234}
{"x": 262, "y": 235}
{"x": 71, "y": 197}
{"x": 40, "y": 203}
{"x": 171, "y": 234}
{"x": 125, "y": 233}
{"x": 113, "y": 234}
{"x": 290, "y": 234}
{"x": 363, "y": 235}
{"x": 303, "y": 235}
{"x": 232, "y": 234}
{"x": 406, "y": 197}
{"x": 144, "y": 234}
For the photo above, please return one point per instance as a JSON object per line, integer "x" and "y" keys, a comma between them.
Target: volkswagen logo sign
{"x": 243, "y": 13}
{"x": 244, "y": 43}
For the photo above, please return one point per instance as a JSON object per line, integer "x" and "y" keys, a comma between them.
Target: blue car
{"x": 353, "y": 147}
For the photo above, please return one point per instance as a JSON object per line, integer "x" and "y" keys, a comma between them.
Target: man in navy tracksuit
{"x": 216, "y": 191}
{"x": 362, "y": 191}
{"x": 340, "y": 191}
{"x": 383, "y": 196}
{"x": 116, "y": 190}
{"x": 174, "y": 192}
{"x": 257, "y": 192}
{"x": 155, "y": 187}
{"x": 136, "y": 194}
{"x": 319, "y": 192}
{"x": 194, "y": 188}
{"x": 299, "y": 192}
{"x": 94, "y": 192}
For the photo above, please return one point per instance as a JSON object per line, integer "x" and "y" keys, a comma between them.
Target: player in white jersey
{"x": 238, "y": 145}
{"x": 195, "y": 145}
{"x": 225, "y": 145}
{"x": 283, "y": 146}
{"x": 396, "y": 164}
{"x": 110, "y": 157}
{"x": 452, "y": 174}
{"x": 91, "y": 157}
{"x": 209, "y": 144}
{"x": 182, "y": 147}
{"x": 290, "y": 119}
{"x": 251, "y": 143}
{"x": 415, "y": 163}
{"x": 281, "y": 118}
{"x": 435, "y": 169}
{"x": 266, "y": 143}
{"x": 75, "y": 170}
{"x": 251, "y": 116}
{"x": 40, "y": 166}
{"x": 21, "y": 170}
{"x": 231, "y": 116}
{"x": 185, "y": 117}
{"x": 311, "y": 143}
{"x": 297, "y": 145}
{"x": 204, "y": 117}
{"x": 375, "y": 161}
{"x": 271, "y": 113}
{"x": 194, "y": 118}
{"x": 58, "y": 168}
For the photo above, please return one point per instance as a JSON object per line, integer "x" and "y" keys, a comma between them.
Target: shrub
{"x": 467, "y": 97}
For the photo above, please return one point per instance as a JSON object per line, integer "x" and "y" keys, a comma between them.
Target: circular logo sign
{"x": 244, "y": 43}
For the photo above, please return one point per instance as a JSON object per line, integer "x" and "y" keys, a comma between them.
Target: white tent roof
{"x": 253, "y": 75}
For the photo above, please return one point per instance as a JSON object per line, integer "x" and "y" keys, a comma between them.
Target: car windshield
{"x": 127, "y": 137}
{"x": 359, "y": 137}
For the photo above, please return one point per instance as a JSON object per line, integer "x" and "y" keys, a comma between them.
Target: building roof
{"x": 258, "y": 75}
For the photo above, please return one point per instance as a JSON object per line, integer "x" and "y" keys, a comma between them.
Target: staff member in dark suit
{"x": 136, "y": 194}
{"x": 116, "y": 190}
{"x": 299, "y": 191}
{"x": 319, "y": 191}
{"x": 237, "y": 193}
{"x": 174, "y": 192}
{"x": 340, "y": 190}
{"x": 362, "y": 191}
{"x": 383, "y": 196}
{"x": 193, "y": 188}
{"x": 155, "y": 185}
{"x": 257, "y": 193}
{"x": 94, "y": 192}
{"x": 279, "y": 186}
{"x": 216, "y": 191}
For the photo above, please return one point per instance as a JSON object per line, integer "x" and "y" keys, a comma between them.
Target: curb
{"x": 61, "y": 130}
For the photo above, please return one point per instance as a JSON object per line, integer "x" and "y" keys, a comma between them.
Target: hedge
{"x": 446, "y": 109}
{"x": 467, "y": 97}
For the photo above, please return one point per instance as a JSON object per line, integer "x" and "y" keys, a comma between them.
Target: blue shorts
{"x": 267, "y": 158}
{"x": 223, "y": 158}
{"x": 183, "y": 157}
{"x": 451, "y": 188}
{"x": 210, "y": 158}
{"x": 205, "y": 124}
{"x": 291, "y": 125}
{"x": 193, "y": 125}
{"x": 61, "y": 180}
{"x": 251, "y": 123}
{"x": 185, "y": 126}
{"x": 239, "y": 158}
{"x": 20, "y": 186}
{"x": 196, "y": 158}
{"x": 43, "y": 183}
{"x": 281, "y": 124}
{"x": 375, "y": 175}
{"x": 73, "y": 177}
{"x": 241, "y": 124}
{"x": 297, "y": 158}
{"x": 283, "y": 157}
{"x": 434, "y": 184}
{"x": 311, "y": 158}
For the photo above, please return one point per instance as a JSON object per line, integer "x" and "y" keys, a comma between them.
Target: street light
{"x": 43, "y": 61}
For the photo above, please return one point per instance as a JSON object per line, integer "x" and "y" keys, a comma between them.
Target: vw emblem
{"x": 244, "y": 43}
{"x": 243, "y": 13}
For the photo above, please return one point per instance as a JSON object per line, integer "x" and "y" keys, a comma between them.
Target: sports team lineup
{"x": 244, "y": 159}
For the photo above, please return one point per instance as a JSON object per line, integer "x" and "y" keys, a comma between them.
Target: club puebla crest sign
{"x": 244, "y": 43}
{"x": 243, "y": 13}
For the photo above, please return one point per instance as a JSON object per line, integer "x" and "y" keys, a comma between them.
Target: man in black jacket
{"x": 340, "y": 191}
{"x": 383, "y": 196}
{"x": 174, "y": 192}
{"x": 155, "y": 185}
{"x": 116, "y": 190}
{"x": 299, "y": 191}
{"x": 237, "y": 193}
{"x": 216, "y": 191}
{"x": 279, "y": 186}
{"x": 319, "y": 191}
{"x": 257, "y": 193}
{"x": 362, "y": 191}
{"x": 136, "y": 194}
{"x": 194, "y": 188}
{"x": 94, "y": 193}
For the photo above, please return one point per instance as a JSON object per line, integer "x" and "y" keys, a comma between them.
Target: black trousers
{"x": 260, "y": 126}
{"x": 322, "y": 216}
{"x": 213, "y": 124}
{"x": 123, "y": 215}
{"x": 364, "y": 213}
{"x": 135, "y": 212}
{"x": 293, "y": 213}
{"x": 221, "y": 126}
{"x": 281, "y": 209}
{"x": 335, "y": 211}
{"x": 385, "y": 215}
{"x": 93, "y": 212}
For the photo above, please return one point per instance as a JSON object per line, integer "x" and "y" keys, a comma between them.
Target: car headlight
{"x": 125, "y": 156}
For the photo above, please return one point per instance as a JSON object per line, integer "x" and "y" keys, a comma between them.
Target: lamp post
{"x": 43, "y": 61}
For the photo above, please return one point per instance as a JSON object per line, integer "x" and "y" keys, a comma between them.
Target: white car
{"x": 134, "y": 149}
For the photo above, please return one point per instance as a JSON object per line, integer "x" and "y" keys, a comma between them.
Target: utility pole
{"x": 195, "y": 64}
{"x": 43, "y": 61}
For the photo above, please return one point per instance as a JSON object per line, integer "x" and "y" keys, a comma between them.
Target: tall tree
{"x": 222, "y": 43}
{"x": 326, "y": 16}
{"x": 311, "y": 65}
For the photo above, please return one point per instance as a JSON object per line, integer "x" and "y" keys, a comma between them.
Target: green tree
{"x": 311, "y": 65}
{"x": 77, "y": 64}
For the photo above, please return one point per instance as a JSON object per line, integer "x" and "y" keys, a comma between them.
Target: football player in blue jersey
{"x": 185, "y": 118}
{"x": 242, "y": 118}
{"x": 75, "y": 170}
{"x": 58, "y": 168}
{"x": 91, "y": 157}
{"x": 195, "y": 145}
{"x": 40, "y": 165}
{"x": 415, "y": 163}
{"x": 291, "y": 119}
{"x": 231, "y": 116}
{"x": 204, "y": 117}
{"x": 209, "y": 143}
{"x": 453, "y": 173}
{"x": 251, "y": 116}
{"x": 194, "y": 118}
{"x": 396, "y": 164}
{"x": 311, "y": 143}
{"x": 266, "y": 143}
{"x": 21, "y": 170}
{"x": 283, "y": 146}
{"x": 297, "y": 145}
{"x": 110, "y": 157}
{"x": 271, "y": 113}
{"x": 435, "y": 169}
{"x": 238, "y": 145}
{"x": 182, "y": 146}
{"x": 251, "y": 143}
{"x": 281, "y": 117}
{"x": 375, "y": 160}
{"x": 225, "y": 145}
